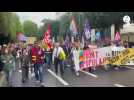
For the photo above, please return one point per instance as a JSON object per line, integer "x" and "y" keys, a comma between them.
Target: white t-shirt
{"x": 56, "y": 53}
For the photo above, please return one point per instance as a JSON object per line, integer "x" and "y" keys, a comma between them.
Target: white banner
{"x": 97, "y": 57}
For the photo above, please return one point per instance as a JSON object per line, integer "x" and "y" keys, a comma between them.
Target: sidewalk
{"x": 2, "y": 80}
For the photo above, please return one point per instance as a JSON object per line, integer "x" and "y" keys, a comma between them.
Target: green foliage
{"x": 9, "y": 25}
{"x": 30, "y": 28}
{"x": 4, "y": 24}
{"x": 15, "y": 26}
{"x": 97, "y": 20}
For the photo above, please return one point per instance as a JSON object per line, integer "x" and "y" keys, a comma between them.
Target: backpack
{"x": 62, "y": 55}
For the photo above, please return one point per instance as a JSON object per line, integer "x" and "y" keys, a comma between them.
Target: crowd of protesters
{"x": 20, "y": 57}
{"x": 31, "y": 59}
{"x": 34, "y": 59}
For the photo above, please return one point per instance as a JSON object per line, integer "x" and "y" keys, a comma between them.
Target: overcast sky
{"x": 37, "y": 17}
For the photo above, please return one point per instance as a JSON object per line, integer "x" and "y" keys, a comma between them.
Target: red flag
{"x": 47, "y": 37}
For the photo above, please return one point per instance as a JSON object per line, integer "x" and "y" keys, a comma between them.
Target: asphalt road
{"x": 99, "y": 78}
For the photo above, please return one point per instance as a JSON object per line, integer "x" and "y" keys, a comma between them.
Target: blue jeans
{"x": 48, "y": 59}
{"x": 14, "y": 64}
{"x": 9, "y": 77}
{"x": 38, "y": 69}
{"x": 58, "y": 62}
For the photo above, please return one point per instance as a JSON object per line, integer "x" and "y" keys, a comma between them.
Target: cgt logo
{"x": 126, "y": 19}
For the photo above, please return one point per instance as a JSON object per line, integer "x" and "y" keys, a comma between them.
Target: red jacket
{"x": 37, "y": 55}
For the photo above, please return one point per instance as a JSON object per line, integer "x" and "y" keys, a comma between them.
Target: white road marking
{"x": 119, "y": 85}
{"x": 129, "y": 67}
{"x": 20, "y": 71}
{"x": 59, "y": 78}
{"x": 93, "y": 75}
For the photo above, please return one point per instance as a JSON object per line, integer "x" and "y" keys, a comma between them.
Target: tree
{"x": 4, "y": 23}
{"x": 9, "y": 25}
{"x": 15, "y": 26}
{"x": 55, "y": 28}
{"x": 98, "y": 20}
{"x": 30, "y": 28}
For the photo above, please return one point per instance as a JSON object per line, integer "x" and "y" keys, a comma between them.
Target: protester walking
{"x": 13, "y": 51}
{"x": 75, "y": 57}
{"x": 38, "y": 61}
{"x": 48, "y": 58}
{"x": 25, "y": 64}
{"x": 18, "y": 57}
{"x": 8, "y": 59}
{"x": 58, "y": 58}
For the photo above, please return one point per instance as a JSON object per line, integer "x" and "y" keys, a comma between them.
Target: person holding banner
{"x": 126, "y": 44}
{"x": 75, "y": 57}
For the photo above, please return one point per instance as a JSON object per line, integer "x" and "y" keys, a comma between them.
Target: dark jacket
{"x": 7, "y": 59}
{"x": 25, "y": 58}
